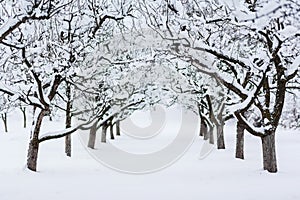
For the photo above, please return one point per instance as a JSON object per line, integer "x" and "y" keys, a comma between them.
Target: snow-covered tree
{"x": 42, "y": 44}
{"x": 50, "y": 60}
{"x": 254, "y": 48}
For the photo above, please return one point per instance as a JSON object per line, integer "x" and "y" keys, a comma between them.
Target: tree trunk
{"x": 211, "y": 135}
{"x": 4, "y": 119}
{"x": 50, "y": 117}
{"x": 203, "y": 127}
{"x": 33, "y": 149}
{"x": 92, "y": 136}
{"x": 269, "y": 152}
{"x": 68, "y": 145}
{"x": 239, "y": 150}
{"x": 118, "y": 132}
{"x": 220, "y": 136}
{"x": 68, "y": 141}
{"x": 32, "y": 155}
{"x": 111, "y": 130}
{"x": 103, "y": 135}
{"x": 204, "y": 130}
{"x": 24, "y": 116}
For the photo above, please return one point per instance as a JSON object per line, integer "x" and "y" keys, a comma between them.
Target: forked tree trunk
{"x": 118, "y": 132}
{"x": 239, "y": 150}
{"x": 103, "y": 134}
{"x": 92, "y": 136}
{"x": 220, "y": 136}
{"x": 4, "y": 119}
{"x": 33, "y": 149}
{"x": 68, "y": 140}
{"x": 23, "y": 109}
{"x": 269, "y": 152}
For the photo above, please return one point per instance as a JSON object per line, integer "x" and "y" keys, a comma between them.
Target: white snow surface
{"x": 218, "y": 176}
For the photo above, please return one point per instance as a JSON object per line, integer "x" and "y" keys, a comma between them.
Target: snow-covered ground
{"x": 219, "y": 176}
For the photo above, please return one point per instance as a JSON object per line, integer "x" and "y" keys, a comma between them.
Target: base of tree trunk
{"x": 4, "y": 119}
{"x": 269, "y": 152}
{"x": 92, "y": 136}
{"x": 220, "y": 137}
{"x": 211, "y": 135}
{"x": 103, "y": 134}
{"x": 68, "y": 145}
{"x": 32, "y": 154}
{"x": 23, "y": 110}
{"x": 239, "y": 150}
{"x": 118, "y": 132}
{"x": 202, "y": 127}
{"x": 204, "y": 131}
{"x": 111, "y": 130}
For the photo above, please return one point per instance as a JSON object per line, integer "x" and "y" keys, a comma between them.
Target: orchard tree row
{"x": 97, "y": 61}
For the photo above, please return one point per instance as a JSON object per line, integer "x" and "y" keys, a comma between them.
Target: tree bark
{"x": 92, "y": 136}
{"x": 68, "y": 141}
{"x": 211, "y": 135}
{"x": 118, "y": 132}
{"x": 68, "y": 145}
{"x": 269, "y": 152}
{"x": 203, "y": 127}
{"x": 4, "y": 119}
{"x": 220, "y": 136}
{"x": 103, "y": 135}
{"x": 32, "y": 155}
{"x": 111, "y": 130}
{"x": 33, "y": 149}
{"x": 204, "y": 130}
{"x": 239, "y": 150}
{"x": 24, "y": 116}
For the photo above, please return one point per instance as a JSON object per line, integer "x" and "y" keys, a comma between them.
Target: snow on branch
{"x": 250, "y": 98}
{"x": 58, "y": 134}
{"x": 257, "y": 131}
{"x": 86, "y": 125}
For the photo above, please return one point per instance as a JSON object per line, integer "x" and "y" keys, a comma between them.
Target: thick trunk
{"x": 269, "y": 152}
{"x": 103, "y": 135}
{"x": 4, "y": 119}
{"x": 239, "y": 151}
{"x": 92, "y": 136}
{"x": 33, "y": 149}
{"x": 68, "y": 141}
{"x": 24, "y": 116}
{"x": 118, "y": 132}
{"x": 220, "y": 136}
{"x": 32, "y": 155}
